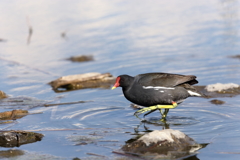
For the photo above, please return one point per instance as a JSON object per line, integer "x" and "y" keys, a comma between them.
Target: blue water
{"x": 124, "y": 37}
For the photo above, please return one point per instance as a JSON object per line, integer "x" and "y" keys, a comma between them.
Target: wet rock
{"x": 11, "y": 153}
{"x": 82, "y": 81}
{"x": 17, "y": 138}
{"x": 219, "y": 90}
{"x": 84, "y": 140}
{"x": 82, "y": 58}
{"x": 3, "y": 40}
{"x": 219, "y": 87}
{"x": 3, "y": 95}
{"x": 14, "y": 114}
{"x": 217, "y": 102}
{"x": 235, "y": 56}
{"x": 15, "y": 154}
{"x": 22, "y": 102}
{"x": 166, "y": 143}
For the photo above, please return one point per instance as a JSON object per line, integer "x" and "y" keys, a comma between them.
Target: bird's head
{"x": 122, "y": 81}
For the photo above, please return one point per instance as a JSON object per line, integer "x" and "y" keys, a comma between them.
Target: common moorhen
{"x": 157, "y": 91}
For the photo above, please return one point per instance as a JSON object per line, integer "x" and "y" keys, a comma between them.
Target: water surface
{"x": 125, "y": 37}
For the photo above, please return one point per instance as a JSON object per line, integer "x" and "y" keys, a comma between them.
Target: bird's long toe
{"x": 164, "y": 115}
{"x": 149, "y": 112}
{"x": 147, "y": 109}
{"x": 163, "y": 119}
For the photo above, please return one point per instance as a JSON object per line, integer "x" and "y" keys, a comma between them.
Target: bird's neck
{"x": 127, "y": 87}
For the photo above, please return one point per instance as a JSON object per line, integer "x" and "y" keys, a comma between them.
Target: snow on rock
{"x": 220, "y": 87}
{"x": 166, "y": 144}
{"x": 163, "y": 135}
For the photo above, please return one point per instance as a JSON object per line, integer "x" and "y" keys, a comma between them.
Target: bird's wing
{"x": 165, "y": 79}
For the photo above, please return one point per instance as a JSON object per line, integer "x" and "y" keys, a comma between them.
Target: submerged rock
{"x": 26, "y": 155}
{"x": 22, "y": 102}
{"x": 12, "y": 153}
{"x": 84, "y": 140}
{"x": 81, "y": 81}
{"x": 219, "y": 90}
{"x": 16, "y": 138}
{"x": 82, "y": 58}
{"x": 217, "y": 102}
{"x": 235, "y": 56}
{"x": 166, "y": 143}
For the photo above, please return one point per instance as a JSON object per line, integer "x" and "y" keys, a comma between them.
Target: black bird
{"x": 157, "y": 91}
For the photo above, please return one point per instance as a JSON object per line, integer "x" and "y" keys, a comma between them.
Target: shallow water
{"x": 124, "y": 37}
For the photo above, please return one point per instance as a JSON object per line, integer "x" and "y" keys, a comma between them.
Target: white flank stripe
{"x": 158, "y": 87}
{"x": 194, "y": 93}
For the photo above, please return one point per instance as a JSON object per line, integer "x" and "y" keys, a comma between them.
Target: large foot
{"x": 163, "y": 120}
{"x": 147, "y": 109}
{"x": 154, "y": 108}
{"x": 164, "y": 115}
{"x": 167, "y": 107}
{"x": 149, "y": 113}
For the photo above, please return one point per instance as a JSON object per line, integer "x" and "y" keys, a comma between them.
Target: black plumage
{"x": 151, "y": 89}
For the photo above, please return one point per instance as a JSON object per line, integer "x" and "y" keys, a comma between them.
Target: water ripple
{"x": 91, "y": 112}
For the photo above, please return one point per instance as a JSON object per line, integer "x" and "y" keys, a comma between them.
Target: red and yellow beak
{"x": 117, "y": 84}
{"x": 114, "y": 87}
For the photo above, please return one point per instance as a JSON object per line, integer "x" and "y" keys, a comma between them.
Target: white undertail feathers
{"x": 193, "y": 93}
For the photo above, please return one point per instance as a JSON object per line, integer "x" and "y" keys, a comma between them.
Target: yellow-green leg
{"x": 153, "y": 108}
{"x": 150, "y": 109}
{"x": 164, "y": 115}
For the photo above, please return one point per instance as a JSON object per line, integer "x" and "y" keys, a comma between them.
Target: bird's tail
{"x": 191, "y": 90}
